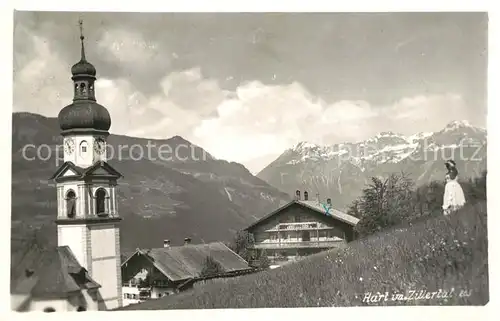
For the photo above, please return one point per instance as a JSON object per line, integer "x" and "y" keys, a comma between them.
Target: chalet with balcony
{"x": 300, "y": 228}
{"x": 154, "y": 273}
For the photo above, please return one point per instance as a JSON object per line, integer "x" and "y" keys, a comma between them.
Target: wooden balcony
{"x": 299, "y": 244}
{"x": 299, "y": 226}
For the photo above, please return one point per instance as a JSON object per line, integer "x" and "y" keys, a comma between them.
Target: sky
{"x": 246, "y": 87}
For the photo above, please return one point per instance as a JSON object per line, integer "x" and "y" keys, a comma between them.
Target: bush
{"x": 263, "y": 260}
{"x": 384, "y": 203}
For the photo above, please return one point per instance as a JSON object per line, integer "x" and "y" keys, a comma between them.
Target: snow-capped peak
{"x": 389, "y": 134}
{"x": 304, "y": 145}
{"x": 419, "y": 136}
{"x": 457, "y": 124}
{"x": 385, "y": 147}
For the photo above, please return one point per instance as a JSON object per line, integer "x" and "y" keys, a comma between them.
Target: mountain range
{"x": 192, "y": 194}
{"x": 341, "y": 171}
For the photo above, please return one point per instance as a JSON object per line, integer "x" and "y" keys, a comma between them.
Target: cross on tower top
{"x": 80, "y": 23}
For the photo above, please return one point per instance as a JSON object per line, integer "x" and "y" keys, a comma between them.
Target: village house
{"x": 154, "y": 273}
{"x": 300, "y": 228}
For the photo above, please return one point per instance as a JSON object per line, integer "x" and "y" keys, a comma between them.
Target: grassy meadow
{"x": 401, "y": 265}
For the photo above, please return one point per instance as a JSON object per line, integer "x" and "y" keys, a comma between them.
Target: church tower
{"x": 87, "y": 217}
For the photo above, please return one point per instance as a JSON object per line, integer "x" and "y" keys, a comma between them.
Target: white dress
{"x": 453, "y": 198}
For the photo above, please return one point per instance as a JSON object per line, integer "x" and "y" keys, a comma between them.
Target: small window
{"x": 83, "y": 146}
{"x": 49, "y": 309}
{"x": 81, "y": 309}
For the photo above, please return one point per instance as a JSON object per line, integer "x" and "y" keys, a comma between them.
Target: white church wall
{"x": 75, "y": 237}
{"x": 84, "y": 156}
{"x": 59, "y": 305}
{"x": 106, "y": 262}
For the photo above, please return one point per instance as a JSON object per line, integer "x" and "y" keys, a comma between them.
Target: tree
{"x": 241, "y": 243}
{"x": 263, "y": 260}
{"x": 211, "y": 267}
{"x": 384, "y": 203}
{"x": 354, "y": 209}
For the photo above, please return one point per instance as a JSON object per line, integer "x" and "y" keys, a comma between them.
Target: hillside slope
{"x": 436, "y": 255}
{"x": 183, "y": 194}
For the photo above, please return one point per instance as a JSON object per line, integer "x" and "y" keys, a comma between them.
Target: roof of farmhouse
{"x": 185, "y": 262}
{"x": 315, "y": 207}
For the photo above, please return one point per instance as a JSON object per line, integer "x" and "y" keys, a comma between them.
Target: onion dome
{"x": 84, "y": 115}
{"x": 83, "y": 67}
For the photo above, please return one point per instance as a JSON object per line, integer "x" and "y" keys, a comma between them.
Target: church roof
{"x": 185, "y": 262}
{"x": 100, "y": 168}
{"x": 315, "y": 207}
{"x": 49, "y": 273}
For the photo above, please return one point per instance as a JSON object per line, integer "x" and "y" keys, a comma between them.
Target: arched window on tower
{"x": 76, "y": 89}
{"x": 83, "y": 88}
{"x": 70, "y": 204}
{"x": 100, "y": 202}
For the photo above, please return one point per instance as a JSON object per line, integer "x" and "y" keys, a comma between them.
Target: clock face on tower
{"x": 99, "y": 146}
{"x": 69, "y": 146}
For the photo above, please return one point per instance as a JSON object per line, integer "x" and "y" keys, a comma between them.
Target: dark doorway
{"x": 306, "y": 236}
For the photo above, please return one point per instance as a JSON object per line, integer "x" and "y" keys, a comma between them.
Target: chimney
{"x": 28, "y": 273}
{"x": 306, "y": 196}
{"x": 166, "y": 243}
{"x": 317, "y": 199}
{"x": 297, "y": 195}
{"x": 329, "y": 201}
{"x": 187, "y": 241}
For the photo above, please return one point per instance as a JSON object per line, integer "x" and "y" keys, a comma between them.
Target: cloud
{"x": 126, "y": 47}
{"x": 251, "y": 124}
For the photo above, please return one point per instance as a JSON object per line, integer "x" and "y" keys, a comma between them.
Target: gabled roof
{"x": 49, "y": 273}
{"x": 100, "y": 168}
{"x": 179, "y": 263}
{"x": 329, "y": 213}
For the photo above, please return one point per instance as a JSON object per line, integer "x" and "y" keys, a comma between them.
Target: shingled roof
{"x": 180, "y": 263}
{"x": 331, "y": 213}
{"x": 50, "y": 273}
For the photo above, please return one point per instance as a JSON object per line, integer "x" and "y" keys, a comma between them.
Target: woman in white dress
{"x": 453, "y": 198}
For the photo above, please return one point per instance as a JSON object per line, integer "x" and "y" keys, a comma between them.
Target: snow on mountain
{"x": 385, "y": 147}
{"x": 457, "y": 124}
{"x": 341, "y": 171}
